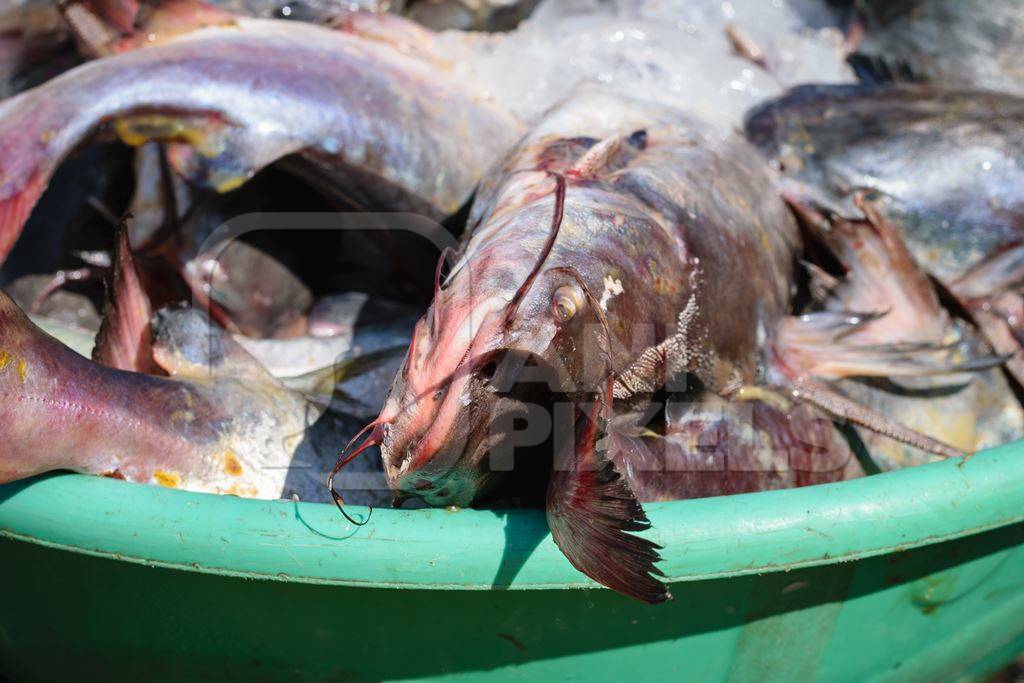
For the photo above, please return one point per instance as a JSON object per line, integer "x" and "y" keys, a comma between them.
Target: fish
{"x": 216, "y": 422}
{"x": 595, "y": 271}
{"x": 944, "y": 166}
{"x": 899, "y": 305}
{"x": 164, "y": 398}
{"x": 195, "y": 431}
{"x": 953, "y": 43}
{"x": 352, "y": 112}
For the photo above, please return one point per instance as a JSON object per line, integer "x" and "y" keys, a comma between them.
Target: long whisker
{"x": 436, "y": 326}
{"x": 372, "y": 440}
{"x": 556, "y": 224}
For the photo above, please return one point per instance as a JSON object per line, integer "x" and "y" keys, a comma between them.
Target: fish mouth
{"x": 458, "y": 486}
{"x": 435, "y": 446}
{"x": 451, "y": 447}
{"x": 449, "y": 473}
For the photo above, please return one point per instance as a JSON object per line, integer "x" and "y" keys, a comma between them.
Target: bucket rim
{"x": 706, "y": 538}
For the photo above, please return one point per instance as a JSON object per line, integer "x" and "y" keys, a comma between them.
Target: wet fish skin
{"x": 202, "y": 429}
{"x": 366, "y": 117}
{"x": 714, "y": 447}
{"x": 620, "y": 229}
{"x": 662, "y": 222}
{"x": 620, "y": 249}
{"x": 945, "y": 162}
{"x": 960, "y": 43}
{"x": 37, "y": 378}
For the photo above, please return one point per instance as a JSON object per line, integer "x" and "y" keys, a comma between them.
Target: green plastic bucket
{"x": 912, "y": 575}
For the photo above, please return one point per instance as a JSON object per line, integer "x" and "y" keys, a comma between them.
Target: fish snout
{"x": 432, "y": 459}
{"x": 457, "y": 486}
{"x": 440, "y": 478}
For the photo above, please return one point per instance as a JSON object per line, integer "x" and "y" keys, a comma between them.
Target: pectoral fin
{"x": 591, "y": 510}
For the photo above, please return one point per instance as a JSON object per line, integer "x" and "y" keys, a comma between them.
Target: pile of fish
{"x": 665, "y": 249}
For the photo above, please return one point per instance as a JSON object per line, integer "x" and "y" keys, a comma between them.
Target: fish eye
{"x": 487, "y": 371}
{"x": 565, "y": 302}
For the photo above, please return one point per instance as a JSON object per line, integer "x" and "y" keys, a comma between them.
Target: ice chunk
{"x": 668, "y": 51}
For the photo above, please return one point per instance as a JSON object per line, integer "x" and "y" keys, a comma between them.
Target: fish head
{"x": 483, "y": 367}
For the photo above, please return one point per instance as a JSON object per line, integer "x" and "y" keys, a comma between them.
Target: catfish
{"x": 621, "y": 248}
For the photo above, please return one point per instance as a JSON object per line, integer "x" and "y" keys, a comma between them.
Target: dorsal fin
{"x": 604, "y": 155}
{"x": 125, "y": 339}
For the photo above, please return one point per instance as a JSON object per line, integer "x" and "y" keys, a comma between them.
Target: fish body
{"x": 957, "y": 43}
{"x": 664, "y": 215}
{"x": 622, "y": 248}
{"x": 71, "y": 413}
{"x": 900, "y": 178}
{"x": 215, "y": 423}
{"x": 356, "y": 112}
{"x": 946, "y": 164}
